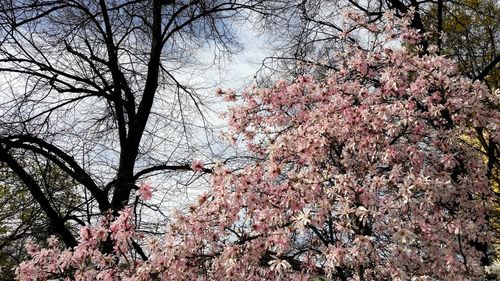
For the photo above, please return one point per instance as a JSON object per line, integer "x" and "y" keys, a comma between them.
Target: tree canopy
{"x": 375, "y": 157}
{"x": 365, "y": 175}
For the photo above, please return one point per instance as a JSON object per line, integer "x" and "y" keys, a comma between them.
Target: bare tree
{"x": 99, "y": 89}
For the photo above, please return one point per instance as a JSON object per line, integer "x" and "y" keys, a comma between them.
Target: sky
{"x": 235, "y": 72}
{"x": 238, "y": 70}
{"x": 244, "y": 65}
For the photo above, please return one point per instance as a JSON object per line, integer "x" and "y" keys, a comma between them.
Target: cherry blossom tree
{"x": 366, "y": 175}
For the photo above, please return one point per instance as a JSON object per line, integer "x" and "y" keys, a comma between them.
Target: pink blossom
{"x": 197, "y": 165}
{"x": 354, "y": 173}
{"x": 145, "y": 191}
{"x": 230, "y": 95}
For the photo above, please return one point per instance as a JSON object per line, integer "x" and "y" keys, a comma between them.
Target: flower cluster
{"x": 92, "y": 259}
{"x": 363, "y": 175}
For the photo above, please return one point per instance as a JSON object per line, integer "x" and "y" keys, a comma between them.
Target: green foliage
{"x": 21, "y": 217}
{"x": 470, "y": 34}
